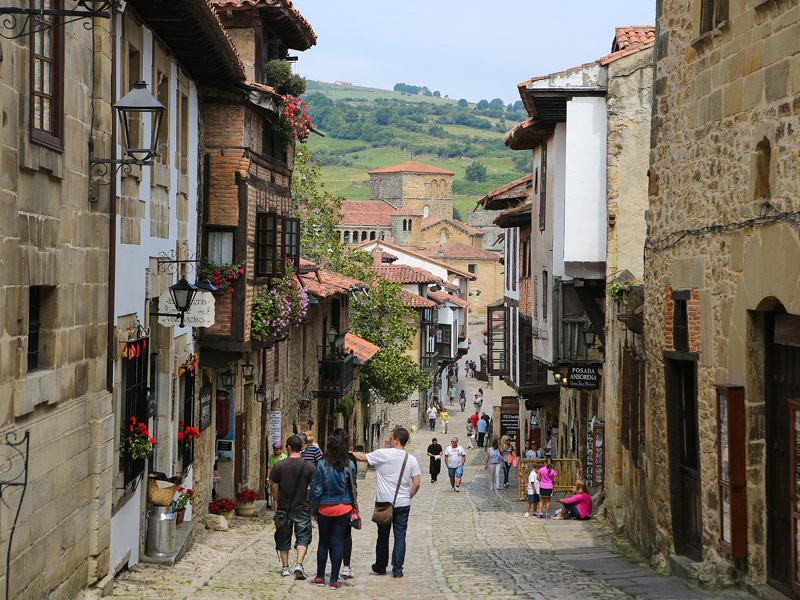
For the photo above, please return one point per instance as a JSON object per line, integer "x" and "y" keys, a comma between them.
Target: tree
{"x": 383, "y": 116}
{"x": 523, "y": 162}
{"x": 482, "y": 105}
{"x": 462, "y": 103}
{"x": 496, "y": 104}
{"x": 475, "y": 172}
{"x": 437, "y": 94}
{"x": 379, "y": 316}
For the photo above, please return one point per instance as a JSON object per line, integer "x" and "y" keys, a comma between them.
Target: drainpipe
{"x": 112, "y": 210}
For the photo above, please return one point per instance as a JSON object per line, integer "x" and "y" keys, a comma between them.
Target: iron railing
{"x": 335, "y": 376}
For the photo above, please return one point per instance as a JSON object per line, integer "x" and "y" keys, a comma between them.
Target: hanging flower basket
{"x": 282, "y": 308}
{"x": 293, "y": 123}
{"x": 222, "y": 276}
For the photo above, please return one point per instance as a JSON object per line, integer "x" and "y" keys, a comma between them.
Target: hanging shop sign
{"x": 200, "y": 313}
{"x": 205, "y": 407}
{"x": 509, "y": 424}
{"x": 583, "y": 377}
{"x": 275, "y": 426}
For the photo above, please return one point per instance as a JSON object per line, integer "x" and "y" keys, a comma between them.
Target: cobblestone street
{"x": 460, "y": 545}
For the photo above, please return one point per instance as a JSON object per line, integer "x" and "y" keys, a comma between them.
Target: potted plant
{"x": 135, "y": 441}
{"x": 222, "y": 276}
{"x": 246, "y": 502}
{"x": 224, "y": 507}
{"x": 185, "y": 496}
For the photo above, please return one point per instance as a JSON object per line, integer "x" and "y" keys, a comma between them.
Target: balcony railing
{"x": 428, "y": 361}
{"x": 430, "y": 316}
{"x": 445, "y": 352}
{"x": 335, "y": 377}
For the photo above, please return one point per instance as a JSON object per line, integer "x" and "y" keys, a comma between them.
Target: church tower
{"x": 414, "y": 187}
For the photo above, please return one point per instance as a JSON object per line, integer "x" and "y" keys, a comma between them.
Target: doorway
{"x": 782, "y": 412}
{"x": 684, "y": 455}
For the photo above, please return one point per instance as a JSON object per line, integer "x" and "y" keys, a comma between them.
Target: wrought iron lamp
{"x": 589, "y": 336}
{"x": 18, "y": 18}
{"x": 247, "y": 371}
{"x": 182, "y": 294}
{"x": 332, "y": 333}
{"x": 260, "y": 394}
{"x": 228, "y": 377}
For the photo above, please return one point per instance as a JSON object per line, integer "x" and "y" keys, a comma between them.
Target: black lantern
{"x": 589, "y": 336}
{"x": 182, "y": 294}
{"x": 228, "y": 377}
{"x": 247, "y": 371}
{"x": 134, "y": 106}
{"x": 332, "y": 333}
{"x": 260, "y": 394}
{"x": 557, "y": 376}
{"x": 564, "y": 382}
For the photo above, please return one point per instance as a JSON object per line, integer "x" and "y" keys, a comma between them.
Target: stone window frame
{"x": 41, "y": 331}
{"x": 54, "y": 137}
{"x": 703, "y": 34}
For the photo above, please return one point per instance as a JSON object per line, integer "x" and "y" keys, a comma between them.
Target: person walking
{"x": 481, "y": 431}
{"x": 435, "y": 453}
{"x": 332, "y": 496}
{"x": 456, "y": 457}
{"x": 432, "y": 414}
{"x": 277, "y": 454}
{"x": 547, "y": 476}
{"x": 347, "y": 571}
{"x": 548, "y": 447}
{"x": 470, "y": 434}
{"x": 452, "y": 393}
{"x": 462, "y": 400}
{"x": 456, "y": 372}
{"x": 289, "y": 481}
{"x": 445, "y": 417}
{"x": 505, "y": 452}
{"x": 533, "y": 494}
{"x": 493, "y": 460}
{"x": 311, "y": 452}
{"x": 397, "y": 482}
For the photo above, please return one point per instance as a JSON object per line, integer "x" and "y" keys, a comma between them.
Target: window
{"x": 291, "y": 240}
{"x": 41, "y": 325}
{"x": 762, "y": 159}
{"x": 220, "y": 246}
{"x": 471, "y": 267}
{"x": 271, "y": 143}
{"x": 514, "y": 264}
{"x": 443, "y": 236}
{"x": 34, "y": 327}
{"x": 405, "y": 226}
{"x": 187, "y": 416}
{"x": 425, "y": 211}
{"x": 363, "y": 236}
{"x": 184, "y": 134}
{"x": 535, "y": 297}
{"x": 544, "y": 295}
{"x": 680, "y": 321}
{"x": 498, "y": 340}
{"x": 47, "y": 76}
{"x": 269, "y": 261}
{"x": 443, "y": 334}
{"x": 371, "y": 235}
{"x": 731, "y": 465}
{"x": 346, "y": 237}
{"x": 712, "y": 14}
{"x": 543, "y": 189}
{"x": 162, "y": 95}
{"x": 134, "y": 395}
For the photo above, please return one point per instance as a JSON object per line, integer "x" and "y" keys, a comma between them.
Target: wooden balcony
{"x": 335, "y": 377}
{"x": 429, "y": 361}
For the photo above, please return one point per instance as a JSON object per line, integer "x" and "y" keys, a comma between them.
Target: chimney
{"x": 376, "y": 257}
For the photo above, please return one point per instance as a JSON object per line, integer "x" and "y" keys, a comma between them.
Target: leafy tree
{"x": 496, "y": 104}
{"x": 437, "y": 94}
{"x": 379, "y": 316}
{"x": 383, "y": 116}
{"x": 463, "y": 103}
{"x": 523, "y": 162}
{"x": 437, "y": 131}
{"x": 518, "y": 105}
{"x": 483, "y": 104}
{"x": 475, "y": 172}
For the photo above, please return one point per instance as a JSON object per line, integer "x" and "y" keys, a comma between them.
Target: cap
{"x": 277, "y": 445}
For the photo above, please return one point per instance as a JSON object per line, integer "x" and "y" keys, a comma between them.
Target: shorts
{"x": 300, "y": 521}
{"x": 454, "y": 472}
{"x": 545, "y": 492}
{"x": 533, "y": 498}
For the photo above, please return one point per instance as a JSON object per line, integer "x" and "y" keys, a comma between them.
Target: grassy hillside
{"x": 368, "y": 128}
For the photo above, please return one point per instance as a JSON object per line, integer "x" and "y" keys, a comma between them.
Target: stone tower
{"x": 406, "y": 228}
{"x": 414, "y": 187}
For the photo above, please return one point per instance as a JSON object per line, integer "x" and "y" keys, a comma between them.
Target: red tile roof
{"x": 528, "y": 134}
{"x": 633, "y": 36}
{"x": 413, "y": 300}
{"x": 444, "y": 297}
{"x": 431, "y": 221}
{"x": 510, "y": 193}
{"x": 411, "y": 166}
{"x": 402, "y": 250}
{"x": 405, "y": 274}
{"x": 361, "y": 348}
{"x": 324, "y": 284}
{"x": 459, "y": 250}
{"x": 302, "y": 36}
{"x": 375, "y": 213}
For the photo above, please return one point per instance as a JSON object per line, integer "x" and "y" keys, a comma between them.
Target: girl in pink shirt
{"x": 547, "y": 475}
{"x": 579, "y": 505}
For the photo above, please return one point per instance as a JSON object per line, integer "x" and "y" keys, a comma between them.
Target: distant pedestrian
{"x": 470, "y": 434}
{"x": 456, "y": 371}
{"x": 432, "y": 414}
{"x": 579, "y": 505}
{"x": 456, "y": 457}
{"x": 537, "y": 452}
{"x": 493, "y": 462}
{"x": 397, "y": 481}
{"x": 452, "y": 393}
{"x": 529, "y": 449}
{"x": 481, "y": 432}
{"x": 547, "y": 476}
{"x": 289, "y": 480}
{"x": 505, "y": 453}
{"x": 462, "y": 400}
{"x": 277, "y": 454}
{"x": 548, "y": 447}
{"x": 477, "y": 403}
{"x": 533, "y": 494}
{"x": 310, "y": 452}
{"x": 445, "y": 417}
{"x": 435, "y": 454}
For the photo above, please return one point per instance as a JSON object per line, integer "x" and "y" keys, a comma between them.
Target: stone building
{"x": 415, "y": 187}
{"x": 722, "y": 324}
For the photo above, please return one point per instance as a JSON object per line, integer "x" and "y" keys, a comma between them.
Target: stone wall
{"x": 725, "y": 104}
{"x": 414, "y": 191}
{"x": 484, "y": 220}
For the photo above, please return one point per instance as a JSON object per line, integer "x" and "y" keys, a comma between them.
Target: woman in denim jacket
{"x": 331, "y": 496}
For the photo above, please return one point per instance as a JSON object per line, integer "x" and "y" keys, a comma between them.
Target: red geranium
{"x": 246, "y": 495}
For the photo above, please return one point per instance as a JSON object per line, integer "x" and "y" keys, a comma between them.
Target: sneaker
{"x": 285, "y": 572}
{"x": 491, "y": 487}
{"x": 541, "y": 515}
{"x": 505, "y": 485}
{"x": 334, "y": 585}
{"x": 547, "y": 516}
{"x": 458, "y": 490}
{"x": 299, "y": 572}
{"x": 452, "y": 488}
{"x": 397, "y": 575}
{"x": 527, "y": 515}
{"x": 318, "y": 581}
{"x": 347, "y": 573}
{"x": 378, "y": 571}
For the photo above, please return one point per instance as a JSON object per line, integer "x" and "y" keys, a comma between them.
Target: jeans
{"x": 348, "y": 547}
{"x": 506, "y": 469}
{"x": 332, "y": 531}
{"x": 300, "y": 521}
{"x": 494, "y": 476}
{"x": 432, "y": 424}
{"x": 400, "y": 524}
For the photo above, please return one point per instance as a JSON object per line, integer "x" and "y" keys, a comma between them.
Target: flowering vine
{"x": 221, "y": 276}
{"x": 281, "y": 308}
{"x": 293, "y": 123}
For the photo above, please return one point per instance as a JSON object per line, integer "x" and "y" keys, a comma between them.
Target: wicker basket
{"x": 161, "y": 493}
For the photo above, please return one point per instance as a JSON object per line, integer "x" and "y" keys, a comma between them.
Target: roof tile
{"x": 458, "y": 250}
{"x": 411, "y": 166}
{"x": 431, "y": 221}
{"x": 376, "y": 213}
{"x": 405, "y": 274}
{"x": 444, "y": 297}
{"x": 361, "y": 348}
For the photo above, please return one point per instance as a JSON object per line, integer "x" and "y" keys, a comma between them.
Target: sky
{"x": 469, "y": 49}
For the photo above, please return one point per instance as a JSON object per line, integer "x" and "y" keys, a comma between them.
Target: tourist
{"x": 470, "y": 434}
{"x": 579, "y": 505}
{"x": 445, "y": 417}
{"x": 493, "y": 460}
{"x": 333, "y": 497}
{"x": 456, "y": 372}
{"x": 435, "y": 453}
{"x": 537, "y": 452}
{"x": 452, "y": 393}
{"x": 547, "y": 475}
{"x": 432, "y": 414}
{"x": 477, "y": 403}
{"x": 482, "y": 428}
{"x": 456, "y": 457}
{"x": 311, "y": 452}
{"x": 548, "y": 447}
{"x": 289, "y": 481}
{"x": 397, "y": 481}
{"x": 506, "y": 452}
{"x": 462, "y": 400}
{"x": 533, "y": 494}
{"x": 277, "y": 454}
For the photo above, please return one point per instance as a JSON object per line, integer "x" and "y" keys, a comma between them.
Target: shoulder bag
{"x": 384, "y": 511}
{"x": 355, "y": 515}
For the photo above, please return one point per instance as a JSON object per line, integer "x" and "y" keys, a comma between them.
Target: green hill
{"x": 369, "y": 128}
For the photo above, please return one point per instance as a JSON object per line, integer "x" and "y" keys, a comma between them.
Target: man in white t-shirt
{"x": 388, "y": 463}
{"x": 432, "y": 414}
{"x": 456, "y": 457}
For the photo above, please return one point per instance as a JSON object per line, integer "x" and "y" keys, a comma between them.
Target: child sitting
{"x": 579, "y": 505}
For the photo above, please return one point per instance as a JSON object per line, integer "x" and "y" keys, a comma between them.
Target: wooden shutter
{"x": 498, "y": 340}
{"x": 627, "y": 396}
{"x": 543, "y": 189}
{"x": 291, "y": 237}
{"x": 731, "y": 464}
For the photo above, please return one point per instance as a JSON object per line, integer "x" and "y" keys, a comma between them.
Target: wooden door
{"x": 781, "y": 479}
{"x": 684, "y": 455}
{"x": 794, "y": 439}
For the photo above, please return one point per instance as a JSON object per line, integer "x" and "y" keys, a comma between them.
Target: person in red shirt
{"x": 474, "y": 418}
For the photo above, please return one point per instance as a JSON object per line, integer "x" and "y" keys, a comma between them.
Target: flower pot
{"x": 179, "y": 514}
{"x": 246, "y": 509}
{"x": 228, "y": 516}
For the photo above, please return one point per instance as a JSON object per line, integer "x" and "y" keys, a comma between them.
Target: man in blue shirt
{"x": 481, "y": 431}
